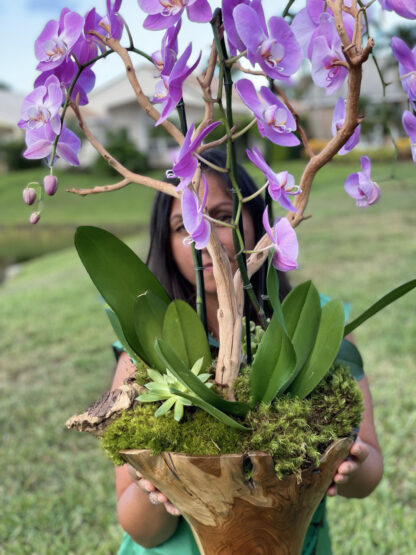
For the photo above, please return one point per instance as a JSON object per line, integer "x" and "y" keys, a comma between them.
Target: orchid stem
{"x": 200, "y": 302}
{"x": 257, "y": 193}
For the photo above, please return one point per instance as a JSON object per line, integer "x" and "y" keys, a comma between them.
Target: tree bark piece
{"x": 235, "y": 504}
{"x": 109, "y": 406}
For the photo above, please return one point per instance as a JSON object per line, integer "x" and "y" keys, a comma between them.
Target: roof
{"x": 119, "y": 92}
{"x": 10, "y": 106}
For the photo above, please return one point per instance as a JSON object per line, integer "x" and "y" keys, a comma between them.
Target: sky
{"x": 21, "y": 22}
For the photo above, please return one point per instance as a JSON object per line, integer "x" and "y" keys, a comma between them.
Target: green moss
{"x": 294, "y": 431}
{"x": 141, "y": 373}
{"x": 198, "y": 434}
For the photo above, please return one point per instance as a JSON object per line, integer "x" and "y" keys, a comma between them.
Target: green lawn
{"x": 55, "y": 358}
{"x": 122, "y": 212}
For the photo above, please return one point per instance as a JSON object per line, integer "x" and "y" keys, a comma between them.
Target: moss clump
{"x": 198, "y": 434}
{"x": 141, "y": 373}
{"x": 294, "y": 431}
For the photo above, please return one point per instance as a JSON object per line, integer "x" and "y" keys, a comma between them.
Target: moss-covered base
{"x": 295, "y": 432}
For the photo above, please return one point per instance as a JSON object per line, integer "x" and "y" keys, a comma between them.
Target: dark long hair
{"x": 160, "y": 258}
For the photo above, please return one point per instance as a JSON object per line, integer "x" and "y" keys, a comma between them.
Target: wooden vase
{"x": 235, "y": 504}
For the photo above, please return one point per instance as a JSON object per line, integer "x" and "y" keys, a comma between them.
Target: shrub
{"x": 119, "y": 144}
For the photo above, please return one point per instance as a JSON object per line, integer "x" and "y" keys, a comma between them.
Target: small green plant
{"x": 160, "y": 388}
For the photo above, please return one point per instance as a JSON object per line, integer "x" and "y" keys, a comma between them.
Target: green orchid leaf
{"x": 328, "y": 341}
{"x": 302, "y": 314}
{"x": 380, "y": 304}
{"x": 266, "y": 360}
{"x": 149, "y": 312}
{"x": 183, "y": 330}
{"x": 118, "y": 274}
{"x": 115, "y": 324}
{"x": 272, "y": 283}
{"x": 349, "y": 355}
{"x": 283, "y": 371}
{"x": 221, "y": 416}
{"x": 193, "y": 383}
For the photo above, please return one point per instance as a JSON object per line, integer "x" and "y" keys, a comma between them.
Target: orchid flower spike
{"x": 407, "y": 66}
{"x": 195, "y": 224}
{"x": 57, "y": 40}
{"x": 186, "y": 163}
{"x": 274, "y": 120}
{"x": 327, "y": 49}
{"x": 360, "y": 187}
{"x": 284, "y": 242}
{"x": 338, "y": 119}
{"x": 42, "y": 105}
{"x": 164, "y": 14}
{"x": 281, "y": 184}
{"x": 168, "y": 89}
{"x": 276, "y": 51}
{"x": 409, "y": 125}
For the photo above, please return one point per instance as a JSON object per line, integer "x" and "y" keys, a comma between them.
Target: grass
{"x": 120, "y": 211}
{"x": 55, "y": 358}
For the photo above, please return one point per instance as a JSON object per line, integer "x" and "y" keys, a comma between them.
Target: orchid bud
{"x": 29, "y": 195}
{"x": 34, "y": 217}
{"x": 50, "y": 184}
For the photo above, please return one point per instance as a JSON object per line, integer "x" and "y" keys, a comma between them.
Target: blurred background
{"x": 55, "y": 340}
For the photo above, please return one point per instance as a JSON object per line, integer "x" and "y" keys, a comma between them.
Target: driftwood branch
{"x": 128, "y": 175}
{"x": 205, "y": 83}
{"x": 228, "y": 363}
{"x": 99, "y": 188}
{"x": 142, "y": 99}
{"x": 108, "y": 408}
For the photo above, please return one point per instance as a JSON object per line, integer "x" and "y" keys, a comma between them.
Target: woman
{"x": 146, "y": 515}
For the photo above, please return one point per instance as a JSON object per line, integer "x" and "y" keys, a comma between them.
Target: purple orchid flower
{"x": 278, "y": 53}
{"x": 40, "y": 144}
{"x": 165, "y": 13}
{"x": 274, "y": 120}
{"x": 87, "y": 46}
{"x": 113, "y": 20}
{"x": 284, "y": 241}
{"x": 66, "y": 73}
{"x": 305, "y": 25}
{"x": 186, "y": 163}
{"x": 281, "y": 184}
{"x": 409, "y": 125}
{"x": 407, "y": 66}
{"x": 57, "y": 40}
{"x": 234, "y": 41}
{"x": 192, "y": 214}
{"x": 165, "y": 58}
{"x": 168, "y": 89}
{"x": 360, "y": 187}
{"x": 338, "y": 119}
{"x": 326, "y": 50}
{"x": 42, "y": 106}
{"x": 405, "y": 8}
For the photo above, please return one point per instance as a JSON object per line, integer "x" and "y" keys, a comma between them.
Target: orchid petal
{"x": 199, "y": 11}
{"x": 366, "y": 165}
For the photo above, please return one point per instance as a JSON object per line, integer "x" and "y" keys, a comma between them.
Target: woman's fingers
{"x": 171, "y": 509}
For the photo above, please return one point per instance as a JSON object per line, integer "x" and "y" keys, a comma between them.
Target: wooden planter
{"x": 235, "y": 504}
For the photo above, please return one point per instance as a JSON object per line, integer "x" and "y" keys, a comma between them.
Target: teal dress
{"x": 317, "y": 540}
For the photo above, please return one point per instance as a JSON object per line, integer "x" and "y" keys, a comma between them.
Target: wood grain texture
{"x": 235, "y": 504}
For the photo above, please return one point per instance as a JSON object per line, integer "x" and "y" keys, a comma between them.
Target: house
{"x": 114, "y": 105}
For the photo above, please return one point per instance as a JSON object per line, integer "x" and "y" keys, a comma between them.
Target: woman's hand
{"x": 156, "y": 497}
{"x": 359, "y": 452}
